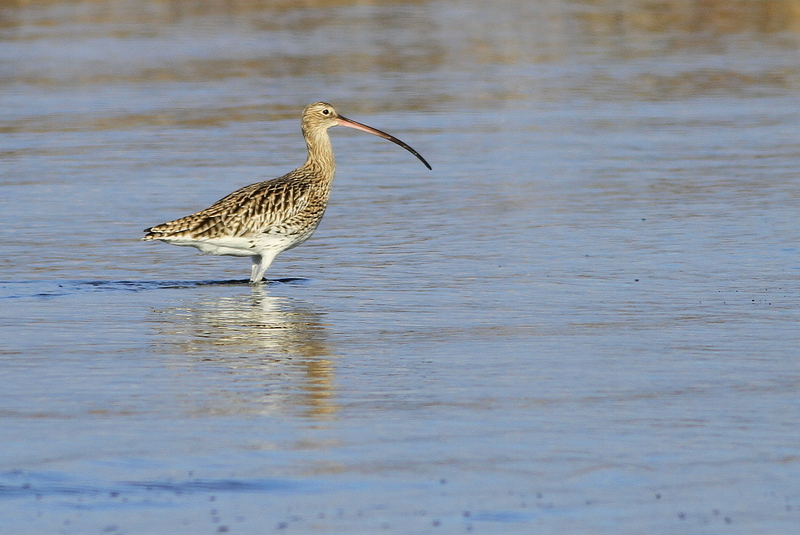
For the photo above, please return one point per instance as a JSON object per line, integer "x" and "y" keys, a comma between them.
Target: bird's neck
{"x": 320, "y": 154}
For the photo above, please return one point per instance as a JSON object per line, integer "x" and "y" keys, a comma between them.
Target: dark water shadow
{"x": 23, "y": 289}
{"x": 23, "y": 484}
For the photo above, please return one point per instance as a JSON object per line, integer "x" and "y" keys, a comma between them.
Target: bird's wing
{"x": 254, "y": 209}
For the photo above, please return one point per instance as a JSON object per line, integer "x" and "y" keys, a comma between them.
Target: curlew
{"x": 267, "y": 218}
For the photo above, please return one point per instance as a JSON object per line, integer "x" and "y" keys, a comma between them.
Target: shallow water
{"x": 583, "y": 320}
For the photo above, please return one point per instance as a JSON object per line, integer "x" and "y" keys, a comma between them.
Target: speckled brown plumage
{"x": 263, "y": 219}
{"x": 283, "y": 205}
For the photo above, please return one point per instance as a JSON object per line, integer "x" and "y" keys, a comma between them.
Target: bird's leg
{"x": 260, "y": 265}
{"x": 255, "y": 271}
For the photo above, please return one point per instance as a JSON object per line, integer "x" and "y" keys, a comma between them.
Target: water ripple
{"x": 28, "y": 289}
{"x": 18, "y": 484}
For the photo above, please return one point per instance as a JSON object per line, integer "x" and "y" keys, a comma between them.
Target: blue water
{"x": 583, "y": 320}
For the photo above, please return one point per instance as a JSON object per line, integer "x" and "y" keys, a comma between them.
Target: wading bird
{"x": 267, "y": 218}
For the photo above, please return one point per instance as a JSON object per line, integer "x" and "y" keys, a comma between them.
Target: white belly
{"x": 238, "y": 246}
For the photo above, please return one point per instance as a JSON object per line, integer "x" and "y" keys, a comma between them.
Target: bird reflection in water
{"x": 271, "y": 350}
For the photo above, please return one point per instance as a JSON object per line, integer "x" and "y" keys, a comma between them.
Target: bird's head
{"x": 320, "y": 116}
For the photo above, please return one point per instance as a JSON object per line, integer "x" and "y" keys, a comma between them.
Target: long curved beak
{"x": 344, "y": 121}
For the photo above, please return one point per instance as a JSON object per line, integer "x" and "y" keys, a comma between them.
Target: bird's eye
{"x": 326, "y": 112}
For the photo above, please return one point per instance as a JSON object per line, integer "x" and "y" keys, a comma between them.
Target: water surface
{"x": 583, "y": 320}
